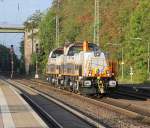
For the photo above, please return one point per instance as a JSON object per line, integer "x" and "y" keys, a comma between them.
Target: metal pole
{"x": 122, "y": 69}
{"x": 131, "y": 74}
{"x": 96, "y": 22}
{"x": 94, "y": 40}
{"x": 57, "y": 24}
{"x": 36, "y": 66}
{"x": 148, "y": 66}
{"x": 12, "y": 66}
{"x": 32, "y": 37}
{"x": 36, "y": 69}
{"x": 57, "y": 33}
{"x": 12, "y": 61}
{"x": 131, "y": 79}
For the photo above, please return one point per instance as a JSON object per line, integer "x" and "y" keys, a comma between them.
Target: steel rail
{"x": 120, "y": 92}
{"x": 133, "y": 94}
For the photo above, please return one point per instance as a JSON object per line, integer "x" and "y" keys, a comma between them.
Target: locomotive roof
{"x": 79, "y": 44}
{"x": 58, "y": 50}
{"x": 61, "y": 48}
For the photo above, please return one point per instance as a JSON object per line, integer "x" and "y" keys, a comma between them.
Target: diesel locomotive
{"x": 81, "y": 67}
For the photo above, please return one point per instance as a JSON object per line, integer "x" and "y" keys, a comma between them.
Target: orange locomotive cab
{"x": 85, "y": 46}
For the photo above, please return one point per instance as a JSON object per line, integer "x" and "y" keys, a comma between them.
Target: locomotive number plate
{"x": 112, "y": 83}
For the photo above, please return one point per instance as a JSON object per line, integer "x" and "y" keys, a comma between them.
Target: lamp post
{"x": 12, "y": 61}
{"x": 36, "y": 68}
{"x": 122, "y": 64}
{"x": 131, "y": 74}
{"x": 32, "y": 37}
{"x": 148, "y": 54}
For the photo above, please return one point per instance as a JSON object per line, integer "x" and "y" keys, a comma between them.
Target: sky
{"x": 15, "y": 12}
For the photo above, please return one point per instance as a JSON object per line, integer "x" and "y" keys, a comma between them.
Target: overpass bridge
{"x": 27, "y": 41}
{"x": 12, "y": 29}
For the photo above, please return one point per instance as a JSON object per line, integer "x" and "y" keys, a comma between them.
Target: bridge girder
{"x": 12, "y": 30}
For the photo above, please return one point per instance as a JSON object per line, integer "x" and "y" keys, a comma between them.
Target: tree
{"x": 47, "y": 37}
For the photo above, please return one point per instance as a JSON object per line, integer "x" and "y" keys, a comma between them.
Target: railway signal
{"x": 37, "y": 49}
{"x": 12, "y": 61}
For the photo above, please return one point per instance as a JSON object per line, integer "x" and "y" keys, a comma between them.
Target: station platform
{"x": 15, "y": 111}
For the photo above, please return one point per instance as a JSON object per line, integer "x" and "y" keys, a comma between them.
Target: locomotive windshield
{"x": 74, "y": 49}
{"x": 79, "y": 47}
{"x": 57, "y": 53}
{"x": 93, "y": 47}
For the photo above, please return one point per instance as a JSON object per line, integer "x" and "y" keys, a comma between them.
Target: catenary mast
{"x": 57, "y": 23}
{"x": 96, "y": 22}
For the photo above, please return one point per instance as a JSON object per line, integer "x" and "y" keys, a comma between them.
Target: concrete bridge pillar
{"x": 27, "y": 51}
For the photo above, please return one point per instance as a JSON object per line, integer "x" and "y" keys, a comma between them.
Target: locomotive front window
{"x": 75, "y": 49}
{"x": 57, "y": 53}
{"x": 93, "y": 47}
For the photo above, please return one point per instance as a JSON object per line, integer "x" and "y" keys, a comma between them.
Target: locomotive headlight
{"x": 112, "y": 83}
{"x": 87, "y": 83}
{"x": 80, "y": 77}
{"x": 97, "y": 53}
{"x": 53, "y": 80}
{"x": 108, "y": 73}
{"x": 90, "y": 74}
{"x": 113, "y": 74}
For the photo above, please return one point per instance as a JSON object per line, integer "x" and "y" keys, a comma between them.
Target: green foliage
{"x": 33, "y": 21}
{"x": 137, "y": 38}
{"x": 4, "y": 58}
{"x": 22, "y": 63}
{"x": 47, "y": 37}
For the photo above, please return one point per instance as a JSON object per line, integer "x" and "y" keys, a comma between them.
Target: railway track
{"x": 131, "y": 111}
{"x": 136, "y": 93}
{"x": 70, "y": 119}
